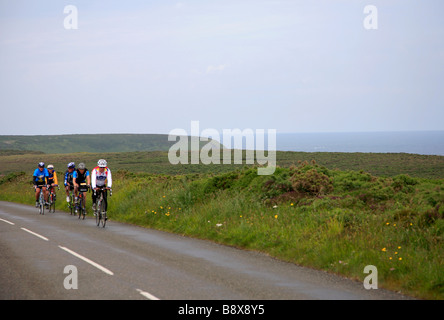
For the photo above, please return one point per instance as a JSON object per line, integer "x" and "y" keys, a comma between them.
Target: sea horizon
{"x": 417, "y": 142}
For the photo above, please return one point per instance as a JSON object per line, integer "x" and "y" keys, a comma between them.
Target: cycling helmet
{"x": 41, "y": 164}
{"x": 81, "y": 166}
{"x": 102, "y": 163}
{"x": 71, "y": 165}
{"x": 50, "y": 166}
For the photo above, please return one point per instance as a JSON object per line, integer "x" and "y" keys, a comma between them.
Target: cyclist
{"x": 101, "y": 179}
{"x": 39, "y": 179}
{"x": 69, "y": 185}
{"x": 52, "y": 178}
{"x": 80, "y": 178}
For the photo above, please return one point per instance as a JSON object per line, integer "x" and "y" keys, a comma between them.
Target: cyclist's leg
{"x": 105, "y": 198}
{"x": 67, "y": 193}
{"x": 45, "y": 193}
{"x": 37, "y": 193}
{"x": 52, "y": 191}
{"x": 94, "y": 197}
{"x": 84, "y": 200}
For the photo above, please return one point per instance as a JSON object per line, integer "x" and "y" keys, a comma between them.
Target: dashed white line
{"x": 147, "y": 295}
{"x": 98, "y": 266}
{"x": 35, "y": 234}
{"x": 11, "y": 223}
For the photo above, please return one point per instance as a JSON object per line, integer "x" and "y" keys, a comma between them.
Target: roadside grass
{"x": 333, "y": 220}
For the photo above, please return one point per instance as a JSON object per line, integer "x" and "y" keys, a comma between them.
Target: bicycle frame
{"x": 71, "y": 201}
{"x": 41, "y": 202}
{"x": 52, "y": 197}
{"x": 81, "y": 204}
{"x": 101, "y": 217}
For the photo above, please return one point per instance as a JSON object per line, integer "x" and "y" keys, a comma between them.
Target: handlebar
{"x": 110, "y": 190}
{"x": 47, "y": 186}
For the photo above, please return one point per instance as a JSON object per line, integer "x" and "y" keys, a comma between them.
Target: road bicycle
{"x": 52, "y": 197}
{"x": 71, "y": 205}
{"x": 41, "y": 204}
{"x": 81, "y": 207}
{"x": 100, "y": 210}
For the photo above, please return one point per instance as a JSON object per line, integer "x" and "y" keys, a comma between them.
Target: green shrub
{"x": 311, "y": 182}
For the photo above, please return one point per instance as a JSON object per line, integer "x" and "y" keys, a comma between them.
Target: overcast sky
{"x": 152, "y": 66}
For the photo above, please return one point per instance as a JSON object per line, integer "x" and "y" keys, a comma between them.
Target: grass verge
{"x": 338, "y": 221}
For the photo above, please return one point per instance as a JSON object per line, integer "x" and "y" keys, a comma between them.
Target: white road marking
{"x": 98, "y": 266}
{"x": 147, "y": 295}
{"x": 35, "y": 234}
{"x": 11, "y": 223}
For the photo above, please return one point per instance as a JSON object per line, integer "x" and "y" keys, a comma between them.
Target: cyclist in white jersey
{"x": 101, "y": 179}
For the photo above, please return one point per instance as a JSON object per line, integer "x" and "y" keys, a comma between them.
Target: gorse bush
{"x": 311, "y": 182}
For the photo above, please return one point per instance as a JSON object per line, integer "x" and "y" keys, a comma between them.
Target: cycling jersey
{"x": 68, "y": 177}
{"x": 80, "y": 178}
{"x": 39, "y": 177}
{"x": 52, "y": 177}
{"x": 99, "y": 179}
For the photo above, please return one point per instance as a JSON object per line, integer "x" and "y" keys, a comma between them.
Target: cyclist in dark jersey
{"x": 52, "y": 179}
{"x": 81, "y": 181}
{"x": 69, "y": 184}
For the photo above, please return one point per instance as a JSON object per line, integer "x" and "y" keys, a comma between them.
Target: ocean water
{"x": 419, "y": 142}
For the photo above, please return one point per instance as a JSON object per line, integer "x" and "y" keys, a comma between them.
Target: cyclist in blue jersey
{"x": 39, "y": 180}
{"x": 69, "y": 184}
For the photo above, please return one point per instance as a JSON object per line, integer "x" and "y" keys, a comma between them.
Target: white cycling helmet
{"x": 102, "y": 163}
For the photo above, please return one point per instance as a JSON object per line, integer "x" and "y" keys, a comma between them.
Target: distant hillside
{"x": 53, "y": 144}
{"x": 156, "y": 162}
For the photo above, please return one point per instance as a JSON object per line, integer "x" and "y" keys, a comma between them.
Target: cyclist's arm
{"x": 93, "y": 179}
{"x": 34, "y": 178}
{"x": 88, "y": 178}
{"x": 109, "y": 179}
{"x": 55, "y": 178}
{"x": 46, "y": 176}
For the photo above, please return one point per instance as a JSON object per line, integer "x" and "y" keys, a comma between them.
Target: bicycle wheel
{"x": 83, "y": 209}
{"x": 71, "y": 204}
{"x": 42, "y": 204}
{"x": 51, "y": 202}
{"x": 79, "y": 206}
{"x": 102, "y": 214}
{"x": 103, "y": 219}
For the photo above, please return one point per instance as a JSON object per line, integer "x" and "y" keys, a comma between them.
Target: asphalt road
{"x": 41, "y": 257}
